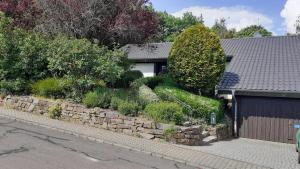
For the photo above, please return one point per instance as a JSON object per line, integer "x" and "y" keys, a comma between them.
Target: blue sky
{"x": 279, "y": 16}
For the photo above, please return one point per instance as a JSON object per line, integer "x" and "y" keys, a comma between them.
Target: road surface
{"x": 24, "y": 146}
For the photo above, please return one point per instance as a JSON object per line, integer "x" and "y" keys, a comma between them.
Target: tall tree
{"x": 170, "y": 26}
{"x": 24, "y": 12}
{"x": 298, "y": 25}
{"x": 221, "y": 29}
{"x": 250, "y": 31}
{"x": 106, "y": 21}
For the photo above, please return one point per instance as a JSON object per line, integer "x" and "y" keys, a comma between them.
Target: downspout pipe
{"x": 235, "y": 109}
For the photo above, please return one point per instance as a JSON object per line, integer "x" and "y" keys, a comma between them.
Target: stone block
{"x": 147, "y": 136}
{"x": 117, "y": 121}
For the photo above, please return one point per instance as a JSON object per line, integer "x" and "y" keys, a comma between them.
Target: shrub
{"x": 76, "y": 88}
{"x": 197, "y": 60}
{"x": 165, "y": 112}
{"x": 127, "y": 78}
{"x": 22, "y": 56}
{"x": 168, "y": 132}
{"x": 17, "y": 86}
{"x": 115, "y": 102}
{"x": 152, "y": 82}
{"x": 128, "y": 108}
{"x": 146, "y": 94}
{"x": 54, "y": 112}
{"x": 75, "y": 57}
{"x": 201, "y": 106}
{"x": 50, "y": 87}
{"x": 99, "y": 98}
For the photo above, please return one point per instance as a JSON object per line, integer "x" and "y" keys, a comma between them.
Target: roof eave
{"x": 261, "y": 93}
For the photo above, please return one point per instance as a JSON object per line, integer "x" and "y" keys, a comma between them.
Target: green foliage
{"x": 197, "y": 60}
{"x": 75, "y": 57}
{"x": 170, "y": 27}
{"x": 54, "y": 112}
{"x": 165, "y": 112}
{"x": 128, "y": 108}
{"x": 201, "y": 106}
{"x": 16, "y": 86}
{"x": 152, "y": 82}
{"x": 221, "y": 29}
{"x": 50, "y": 87}
{"x": 115, "y": 102}
{"x": 251, "y": 30}
{"x": 127, "y": 78}
{"x": 22, "y": 55}
{"x": 99, "y": 98}
{"x": 76, "y": 88}
{"x": 145, "y": 93}
{"x": 169, "y": 132}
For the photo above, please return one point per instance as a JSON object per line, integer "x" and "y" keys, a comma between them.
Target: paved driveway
{"x": 268, "y": 154}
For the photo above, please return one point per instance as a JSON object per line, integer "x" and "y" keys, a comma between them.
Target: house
{"x": 262, "y": 79}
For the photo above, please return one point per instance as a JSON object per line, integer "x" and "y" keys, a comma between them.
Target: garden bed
{"x": 112, "y": 120}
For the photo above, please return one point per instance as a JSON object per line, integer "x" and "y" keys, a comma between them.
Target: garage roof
{"x": 263, "y": 64}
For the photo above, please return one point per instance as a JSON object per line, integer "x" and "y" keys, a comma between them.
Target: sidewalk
{"x": 160, "y": 149}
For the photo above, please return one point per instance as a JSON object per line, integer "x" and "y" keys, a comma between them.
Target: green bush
{"x": 165, "y": 112}
{"x": 127, "y": 78}
{"x": 201, "y": 106}
{"x": 99, "y": 98}
{"x": 169, "y": 132}
{"x": 145, "y": 93}
{"x": 152, "y": 82}
{"x": 73, "y": 57}
{"x": 197, "y": 60}
{"x": 22, "y": 56}
{"x": 50, "y": 87}
{"x": 128, "y": 108}
{"x": 76, "y": 88}
{"x": 17, "y": 86}
{"x": 54, "y": 112}
{"x": 115, "y": 102}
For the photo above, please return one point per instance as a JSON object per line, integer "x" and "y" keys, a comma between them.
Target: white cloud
{"x": 237, "y": 17}
{"x": 290, "y": 12}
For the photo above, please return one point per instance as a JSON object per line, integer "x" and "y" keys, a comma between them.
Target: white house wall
{"x": 146, "y": 68}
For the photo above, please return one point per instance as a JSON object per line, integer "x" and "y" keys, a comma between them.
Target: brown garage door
{"x": 270, "y": 119}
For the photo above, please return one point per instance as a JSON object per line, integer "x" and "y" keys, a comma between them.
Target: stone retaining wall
{"x": 112, "y": 120}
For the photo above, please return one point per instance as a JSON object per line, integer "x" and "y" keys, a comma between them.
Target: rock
{"x": 128, "y": 131}
{"x": 31, "y": 108}
{"x": 162, "y": 126}
{"x": 205, "y": 133}
{"x": 187, "y": 124}
{"x": 147, "y": 136}
{"x": 209, "y": 139}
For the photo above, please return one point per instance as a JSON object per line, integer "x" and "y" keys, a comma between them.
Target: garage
{"x": 266, "y": 118}
{"x": 262, "y": 82}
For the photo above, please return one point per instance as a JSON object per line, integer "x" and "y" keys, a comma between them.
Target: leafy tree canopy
{"x": 107, "y": 22}
{"x": 170, "y": 26}
{"x": 298, "y": 25}
{"x": 221, "y": 29}
{"x": 250, "y": 31}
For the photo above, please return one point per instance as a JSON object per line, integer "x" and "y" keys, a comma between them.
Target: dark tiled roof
{"x": 148, "y": 51}
{"x": 269, "y": 64}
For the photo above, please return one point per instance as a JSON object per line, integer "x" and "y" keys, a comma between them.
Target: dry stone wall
{"x": 109, "y": 119}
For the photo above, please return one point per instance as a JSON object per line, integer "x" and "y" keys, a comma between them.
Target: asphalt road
{"x": 24, "y": 146}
